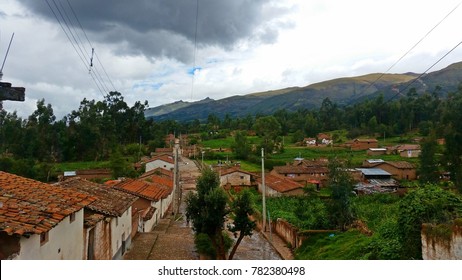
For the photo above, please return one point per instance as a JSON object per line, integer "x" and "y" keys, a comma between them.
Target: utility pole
{"x": 7, "y": 92}
{"x": 176, "y": 187}
{"x": 263, "y": 189}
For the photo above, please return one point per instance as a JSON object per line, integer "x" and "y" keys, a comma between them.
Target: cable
{"x": 195, "y": 49}
{"x": 75, "y": 49}
{"x": 91, "y": 46}
{"x": 416, "y": 79}
{"x": 415, "y": 45}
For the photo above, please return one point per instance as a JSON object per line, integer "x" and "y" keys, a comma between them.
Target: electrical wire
{"x": 412, "y": 48}
{"x": 420, "y": 76}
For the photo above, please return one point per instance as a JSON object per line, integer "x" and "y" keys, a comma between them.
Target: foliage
{"x": 241, "y": 147}
{"x": 341, "y": 184}
{"x": 428, "y": 204}
{"x": 207, "y": 209}
{"x": 242, "y": 208}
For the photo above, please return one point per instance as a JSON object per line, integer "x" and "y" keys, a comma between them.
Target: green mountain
{"x": 343, "y": 91}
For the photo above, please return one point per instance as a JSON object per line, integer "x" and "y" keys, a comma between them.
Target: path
{"x": 173, "y": 238}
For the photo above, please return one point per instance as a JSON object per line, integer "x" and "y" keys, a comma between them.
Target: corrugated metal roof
{"x": 373, "y": 171}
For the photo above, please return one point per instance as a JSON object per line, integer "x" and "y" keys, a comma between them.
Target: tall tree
{"x": 241, "y": 147}
{"x": 242, "y": 210}
{"x": 207, "y": 209}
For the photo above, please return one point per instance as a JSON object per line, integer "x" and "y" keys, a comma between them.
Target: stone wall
{"x": 441, "y": 242}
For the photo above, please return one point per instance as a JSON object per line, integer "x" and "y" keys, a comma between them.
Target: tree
{"x": 241, "y": 148}
{"x": 341, "y": 184}
{"x": 242, "y": 208}
{"x": 269, "y": 128}
{"x": 428, "y": 204}
{"x": 428, "y": 171}
{"x": 207, "y": 209}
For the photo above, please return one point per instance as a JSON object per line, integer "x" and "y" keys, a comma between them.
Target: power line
{"x": 412, "y": 48}
{"x": 91, "y": 45}
{"x": 73, "y": 45}
{"x": 195, "y": 49}
{"x": 429, "y": 68}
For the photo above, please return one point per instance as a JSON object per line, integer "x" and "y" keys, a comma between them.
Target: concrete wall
{"x": 121, "y": 229}
{"x": 235, "y": 179}
{"x": 441, "y": 248}
{"x": 158, "y": 164}
{"x": 65, "y": 242}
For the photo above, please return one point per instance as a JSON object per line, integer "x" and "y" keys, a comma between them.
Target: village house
{"x": 164, "y": 161}
{"x": 154, "y": 198}
{"x": 324, "y": 139}
{"x": 400, "y": 170}
{"x": 40, "y": 221}
{"x": 304, "y": 171}
{"x": 362, "y": 144}
{"x": 375, "y": 180}
{"x": 236, "y": 178}
{"x": 376, "y": 151}
{"x": 107, "y": 221}
{"x": 278, "y": 186}
{"x": 405, "y": 150}
{"x": 309, "y": 142}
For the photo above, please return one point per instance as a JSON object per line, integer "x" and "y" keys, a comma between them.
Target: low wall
{"x": 441, "y": 242}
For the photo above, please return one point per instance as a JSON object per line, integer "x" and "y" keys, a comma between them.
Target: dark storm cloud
{"x": 167, "y": 27}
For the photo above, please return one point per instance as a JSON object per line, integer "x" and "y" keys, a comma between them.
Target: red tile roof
{"x": 109, "y": 201}
{"x": 31, "y": 207}
{"x": 164, "y": 157}
{"x": 279, "y": 184}
{"x": 149, "y": 190}
{"x": 159, "y": 172}
{"x": 233, "y": 170}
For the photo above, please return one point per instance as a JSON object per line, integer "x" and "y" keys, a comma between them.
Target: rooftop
{"x": 109, "y": 201}
{"x": 32, "y": 207}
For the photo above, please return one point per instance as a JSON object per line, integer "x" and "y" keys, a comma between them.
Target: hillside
{"x": 343, "y": 91}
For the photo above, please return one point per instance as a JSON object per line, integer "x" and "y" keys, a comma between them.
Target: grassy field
{"x": 72, "y": 166}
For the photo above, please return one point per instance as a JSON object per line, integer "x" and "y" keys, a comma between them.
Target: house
{"x": 164, "y": 161}
{"x": 154, "y": 199}
{"x": 40, "y": 221}
{"x": 375, "y": 180}
{"x": 302, "y": 173}
{"x": 157, "y": 172}
{"x": 410, "y": 151}
{"x": 107, "y": 220}
{"x": 324, "y": 139}
{"x": 234, "y": 177}
{"x": 400, "y": 170}
{"x": 278, "y": 186}
{"x": 362, "y": 144}
{"x": 309, "y": 142}
{"x": 376, "y": 151}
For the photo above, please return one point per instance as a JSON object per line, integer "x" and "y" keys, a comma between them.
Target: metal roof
{"x": 373, "y": 171}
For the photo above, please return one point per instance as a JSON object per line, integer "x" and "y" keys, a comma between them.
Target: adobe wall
{"x": 439, "y": 243}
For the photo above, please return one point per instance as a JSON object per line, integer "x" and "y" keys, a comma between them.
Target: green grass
{"x": 349, "y": 245}
{"x": 72, "y": 166}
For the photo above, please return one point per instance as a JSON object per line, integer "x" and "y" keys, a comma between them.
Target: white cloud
{"x": 308, "y": 42}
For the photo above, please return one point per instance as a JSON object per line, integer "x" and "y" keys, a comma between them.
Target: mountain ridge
{"x": 343, "y": 91}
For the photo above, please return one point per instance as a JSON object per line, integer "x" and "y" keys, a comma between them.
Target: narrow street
{"x": 173, "y": 238}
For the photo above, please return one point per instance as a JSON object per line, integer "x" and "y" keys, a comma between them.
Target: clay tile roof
{"x": 164, "y": 157}
{"x": 401, "y": 164}
{"x": 291, "y": 169}
{"x": 109, "y": 201}
{"x": 158, "y": 171}
{"x": 233, "y": 170}
{"x": 149, "y": 190}
{"x": 28, "y": 206}
{"x": 279, "y": 184}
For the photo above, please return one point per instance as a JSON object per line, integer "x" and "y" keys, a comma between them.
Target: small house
{"x": 277, "y": 186}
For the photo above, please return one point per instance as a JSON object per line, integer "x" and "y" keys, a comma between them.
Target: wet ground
{"x": 173, "y": 238}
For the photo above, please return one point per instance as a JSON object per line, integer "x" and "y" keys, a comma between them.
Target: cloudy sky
{"x": 150, "y": 50}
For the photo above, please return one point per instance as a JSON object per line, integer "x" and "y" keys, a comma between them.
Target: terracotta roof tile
{"x": 109, "y": 201}
{"x": 279, "y": 184}
{"x": 29, "y": 206}
{"x": 149, "y": 190}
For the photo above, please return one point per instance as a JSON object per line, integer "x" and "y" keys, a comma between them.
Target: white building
{"x": 39, "y": 221}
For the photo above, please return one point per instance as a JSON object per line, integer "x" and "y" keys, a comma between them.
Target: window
{"x": 43, "y": 238}
{"x": 72, "y": 217}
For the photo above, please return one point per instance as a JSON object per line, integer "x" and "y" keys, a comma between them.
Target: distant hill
{"x": 343, "y": 91}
